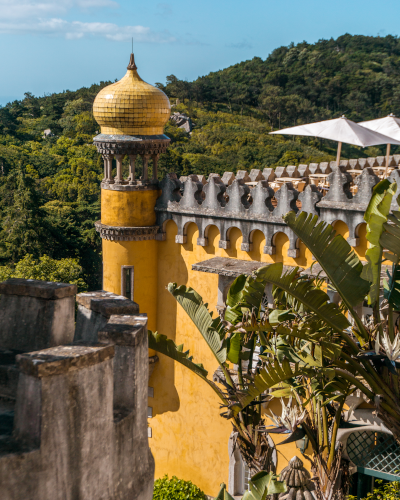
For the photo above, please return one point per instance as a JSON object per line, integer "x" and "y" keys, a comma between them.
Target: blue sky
{"x": 54, "y": 45}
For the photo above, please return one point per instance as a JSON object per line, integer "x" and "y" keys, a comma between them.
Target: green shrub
{"x": 176, "y": 489}
{"x": 385, "y": 491}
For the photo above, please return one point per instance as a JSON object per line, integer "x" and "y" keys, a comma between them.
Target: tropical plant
{"x": 384, "y": 491}
{"x": 229, "y": 343}
{"x": 312, "y": 350}
{"x": 176, "y": 489}
{"x": 261, "y": 485}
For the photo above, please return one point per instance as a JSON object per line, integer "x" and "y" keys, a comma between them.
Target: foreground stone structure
{"x": 73, "y": 418}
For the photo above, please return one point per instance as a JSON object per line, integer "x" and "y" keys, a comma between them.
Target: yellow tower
{"x": 132, "y": 115}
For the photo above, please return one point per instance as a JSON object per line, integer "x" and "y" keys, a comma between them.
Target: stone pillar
{"x": 145, "y": 176}
{"x": 108, "y": 160}
{"x": 118, "y": 178}
{"x": 132, "y": 161}
{"x": 155, "y": 165}
{"x": 105, "y": 168}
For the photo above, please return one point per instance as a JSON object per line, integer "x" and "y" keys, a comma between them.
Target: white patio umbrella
{"x": 340, "y": 130}
{"x": 390, "y": 126}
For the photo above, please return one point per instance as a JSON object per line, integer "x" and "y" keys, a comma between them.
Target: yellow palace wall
{"x": 189, "y": 438}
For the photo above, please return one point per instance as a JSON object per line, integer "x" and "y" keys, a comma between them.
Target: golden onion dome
{"x": 131, "y": 106}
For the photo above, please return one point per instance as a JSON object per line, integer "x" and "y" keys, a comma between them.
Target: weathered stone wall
{"x": 36, "y": 314}
{"x": 75, "y": 423}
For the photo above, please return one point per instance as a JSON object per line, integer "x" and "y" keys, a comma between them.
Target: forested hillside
{"x": 49, "y": 184}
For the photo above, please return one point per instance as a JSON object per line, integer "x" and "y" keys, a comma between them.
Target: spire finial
{"x": 132, "y": 64}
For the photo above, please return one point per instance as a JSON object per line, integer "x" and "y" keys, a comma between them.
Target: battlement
{"x": 73, "y": 414}
{"x": 257, "y": 201}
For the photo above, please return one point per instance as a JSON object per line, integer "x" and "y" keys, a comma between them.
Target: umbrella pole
{"x": 387, "y": 159}
{"x": 339, "y": 151}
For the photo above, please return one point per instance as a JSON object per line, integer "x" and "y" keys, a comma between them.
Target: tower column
{"x": 118, "y": 178}
{"x": 108, "y": 168}
{"x": 145, "y": 175}
{"x": 132, "y": 161}
{"x": 155, "y": 165}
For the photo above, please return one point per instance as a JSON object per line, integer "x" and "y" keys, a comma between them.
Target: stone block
{"x": 181, "y": 239}
{"x": 354, "y": 242}
{"x": 303, "y": 170}
{"x": 95, "y": 309}
{"x": 362, "y": 162}
{"x": 354, "y": 165}
{"x": 269, "y": 250}
{"x": 246, "y": 247}
{"x": 228, "y": 178}
{"x": 269, "y": 174}
{"x": 292, "y": 171}
{"x": 293, "y": 252}
{"x": 325, "y": 167}
{"x": 256, "y": 175}
{"x": 281, "y": 172}
{"x": 202, "y": 242}
{"x": 242, "y": 175}
{"x": 48, "y": 314}
{"x": 314, "y": 168}
{"x": 224, "y": 244}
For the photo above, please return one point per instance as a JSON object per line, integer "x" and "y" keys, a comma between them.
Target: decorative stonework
{"x": 114, "y": 233}
{"x": 229, "y": 202}
{"x": 131, "y": 145}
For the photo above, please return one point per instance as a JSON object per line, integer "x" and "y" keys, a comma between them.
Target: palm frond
{"x": 306, "y": 293}
{"x": 210, "y": 328}
{"x": 376, "y": 216}
{"x": 334, "y": 254}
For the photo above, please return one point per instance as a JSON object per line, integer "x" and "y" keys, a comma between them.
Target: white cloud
{"x": 25, "y": 9}
{"x": 76, "y": 29}
{"x": 44, "y": 17}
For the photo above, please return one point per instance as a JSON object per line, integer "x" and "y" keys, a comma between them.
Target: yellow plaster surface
{"x": 128, "y": 208}
{"x": 189, "y": 438}
{"x": 143, "y": 256}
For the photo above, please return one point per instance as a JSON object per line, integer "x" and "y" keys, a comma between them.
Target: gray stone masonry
{"x": 73, "y": 418}
{"x": 95, "y": 309}
{"x": 234, "y": 201}
{"x": 36, "y": 314}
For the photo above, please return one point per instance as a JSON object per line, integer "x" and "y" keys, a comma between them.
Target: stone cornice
{"x": 115, "y": 233}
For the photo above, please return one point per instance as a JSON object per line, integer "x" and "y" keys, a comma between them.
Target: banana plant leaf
{"x": 334, "y": 254}
{"x": 376, "y": 216}
{"x": 390, "y": 240}
{"x": 211, "y": 329}
{"x": 245, "y": 293}
{"x": 166, "y": 346}
{"x": 272, "y": 374}
{"x": 305, "y": 292}
{"x": 262, "y": 485}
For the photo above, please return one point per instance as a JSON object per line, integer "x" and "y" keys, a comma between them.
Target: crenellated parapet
{"x": 73, "y": 399}
{"x": 238, "y": 201}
